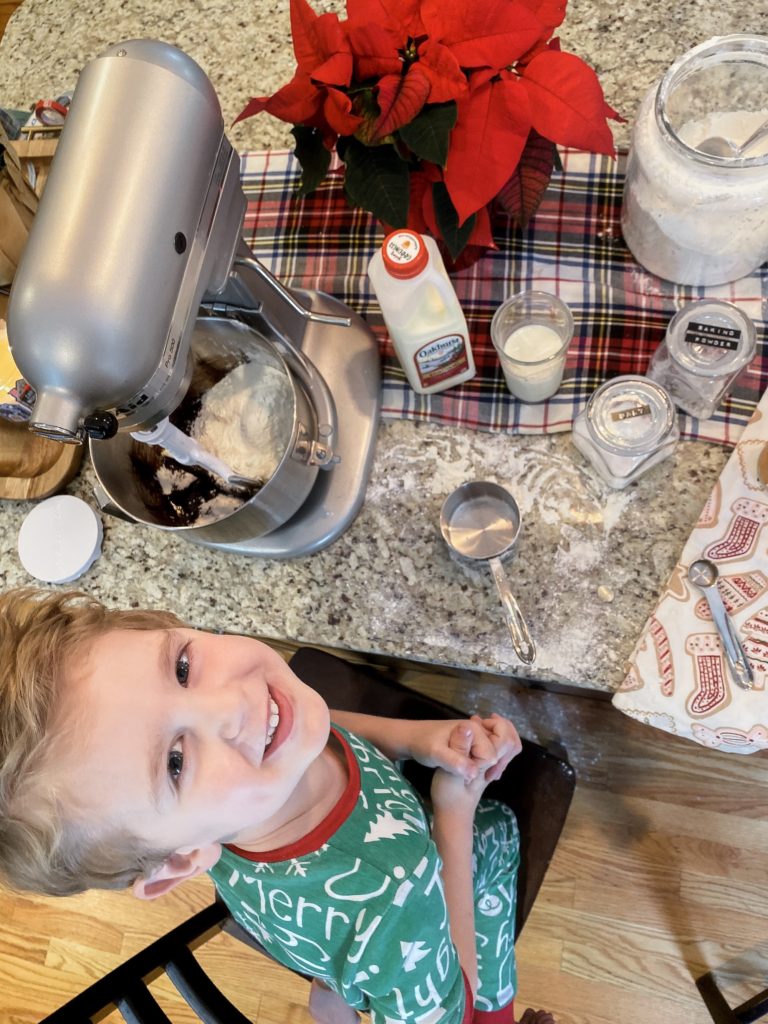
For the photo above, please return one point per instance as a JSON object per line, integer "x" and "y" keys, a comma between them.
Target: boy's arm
{"x": 454, "y": 804}
{"x": 452, "y": 834}
{"x": 465, "y": 747}
{"x": 393, "y": 736}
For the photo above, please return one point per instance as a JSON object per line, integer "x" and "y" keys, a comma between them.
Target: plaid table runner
{"x": 572, "y": 247}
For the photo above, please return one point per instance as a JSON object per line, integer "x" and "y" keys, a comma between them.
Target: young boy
{"x": 135, "y": 751}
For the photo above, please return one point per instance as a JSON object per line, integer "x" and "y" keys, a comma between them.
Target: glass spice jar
{"x": 707, "y": 344}
{"x": 690, "y": 216}
{"x": 627, "y": 426}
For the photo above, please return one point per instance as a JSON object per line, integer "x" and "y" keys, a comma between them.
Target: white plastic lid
{"x": 60, "y": 539}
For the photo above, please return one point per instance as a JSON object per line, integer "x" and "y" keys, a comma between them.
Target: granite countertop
{"x": 591, "y": 561}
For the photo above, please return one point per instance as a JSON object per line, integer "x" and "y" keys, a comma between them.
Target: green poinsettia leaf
{"x": 314, "y": 158}
{"x": 377, "y": 180}
{"x": 341, "y": 145}
{"x": 428, "y": 134}
{"x": 455, "y": 237}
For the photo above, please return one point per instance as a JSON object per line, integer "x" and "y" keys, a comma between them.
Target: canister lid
{"x": 630, "y": 415}
{"x": 404, "y": 253}
{"x": 60, "y": 539}
{"x": 711, "y": 338}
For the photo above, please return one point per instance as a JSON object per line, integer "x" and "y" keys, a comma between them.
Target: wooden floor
{"x": 661, "y": 873}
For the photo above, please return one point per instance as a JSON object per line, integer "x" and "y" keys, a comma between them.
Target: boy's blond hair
{"x": 43, "y": 848}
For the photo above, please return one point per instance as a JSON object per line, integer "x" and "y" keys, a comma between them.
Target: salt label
{"x": 630, "y": 414}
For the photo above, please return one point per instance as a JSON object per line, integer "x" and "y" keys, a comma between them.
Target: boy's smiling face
{"x": 187, "y": 738}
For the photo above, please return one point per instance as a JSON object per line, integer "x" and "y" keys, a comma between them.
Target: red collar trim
{"x": 322, "y": 832}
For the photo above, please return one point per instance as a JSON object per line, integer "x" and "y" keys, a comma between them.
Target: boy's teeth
{"x": 274, "y": 718}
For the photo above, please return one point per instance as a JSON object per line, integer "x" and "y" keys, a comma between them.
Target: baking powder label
{"x": 712, "y": 335}
{"x": 440, "y": 359}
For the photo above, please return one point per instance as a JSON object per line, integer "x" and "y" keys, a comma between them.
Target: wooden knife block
{"x": 32, "y": 466}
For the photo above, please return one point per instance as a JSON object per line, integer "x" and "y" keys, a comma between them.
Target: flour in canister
{"x": 685, "y": 220}
{"x": 246, "y": 419}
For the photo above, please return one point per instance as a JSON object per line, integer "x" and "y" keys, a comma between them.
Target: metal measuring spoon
{"x": 703, "y": 574}
{"x": 480, "y": 522}
{"x": 716, "y": 145}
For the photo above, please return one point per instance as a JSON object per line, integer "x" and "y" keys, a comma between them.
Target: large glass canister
{"x": 690, "y": 216}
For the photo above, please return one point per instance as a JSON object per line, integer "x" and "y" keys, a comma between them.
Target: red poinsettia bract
{"x": 438, "y": 107}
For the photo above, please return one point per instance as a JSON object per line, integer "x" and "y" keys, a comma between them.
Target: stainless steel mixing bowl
{"x": 124, "y": 466}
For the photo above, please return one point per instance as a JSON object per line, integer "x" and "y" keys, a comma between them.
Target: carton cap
{"x": 404, "y": 253}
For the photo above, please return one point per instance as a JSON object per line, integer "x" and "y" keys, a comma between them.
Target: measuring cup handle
{"x": 522, "y": 641}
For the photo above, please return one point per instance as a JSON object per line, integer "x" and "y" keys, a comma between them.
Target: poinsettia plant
{"x": 438, "y": 108}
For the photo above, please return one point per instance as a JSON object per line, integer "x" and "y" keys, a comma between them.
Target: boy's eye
{"x": 182, "y": 668}
{"x": 175, "y": 765}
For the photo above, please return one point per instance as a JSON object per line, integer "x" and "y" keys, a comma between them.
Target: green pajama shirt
{"x": 359, "y": 903}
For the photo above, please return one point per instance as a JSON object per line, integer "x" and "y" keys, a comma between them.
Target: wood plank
{"x": 575, "y": 1000}
{"x": 29, "y": 991}
{"x": 35, "y": 149}
{"x": 278, "y": 1011}
{"x": 738, "y": 898}
{"x": 54, "y": 920}
{"x": 534, "y": 947}
{"x": 597, "y": 949}
{"x": 667, "y": 911}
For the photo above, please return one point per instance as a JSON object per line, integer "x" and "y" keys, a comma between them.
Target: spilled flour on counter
{"x": 246, "y": 419}
{"x": 549, "y": 486}
{"x": 563, "y": 571}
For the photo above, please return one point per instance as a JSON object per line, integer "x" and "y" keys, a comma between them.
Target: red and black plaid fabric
{"x": 572, "y": 247}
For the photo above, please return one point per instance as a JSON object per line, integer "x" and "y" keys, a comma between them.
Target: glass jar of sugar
{"x": 628, "y": 425}
{"x": 690, "y": 216}
{"x": 708, "y": 343}
{"x": 531, "y": 332}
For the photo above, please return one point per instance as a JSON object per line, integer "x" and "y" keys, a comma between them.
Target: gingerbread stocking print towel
{"x": 678, "y": 677}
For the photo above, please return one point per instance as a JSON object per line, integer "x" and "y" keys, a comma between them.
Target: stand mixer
{"x": 136, "y": 271}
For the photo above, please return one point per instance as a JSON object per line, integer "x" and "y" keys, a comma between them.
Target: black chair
{"x": 719, "y": 1010}
{"x": 538, "y": 785}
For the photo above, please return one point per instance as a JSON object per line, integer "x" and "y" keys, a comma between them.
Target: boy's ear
{"x": 176, "y": 869}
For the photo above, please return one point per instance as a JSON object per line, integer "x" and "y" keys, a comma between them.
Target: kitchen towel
{"x": 573, "y": 247}
{"x": 678, "y": 678}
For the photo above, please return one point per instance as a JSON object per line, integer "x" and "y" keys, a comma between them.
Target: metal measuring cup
{"x": 480, "y": 522}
